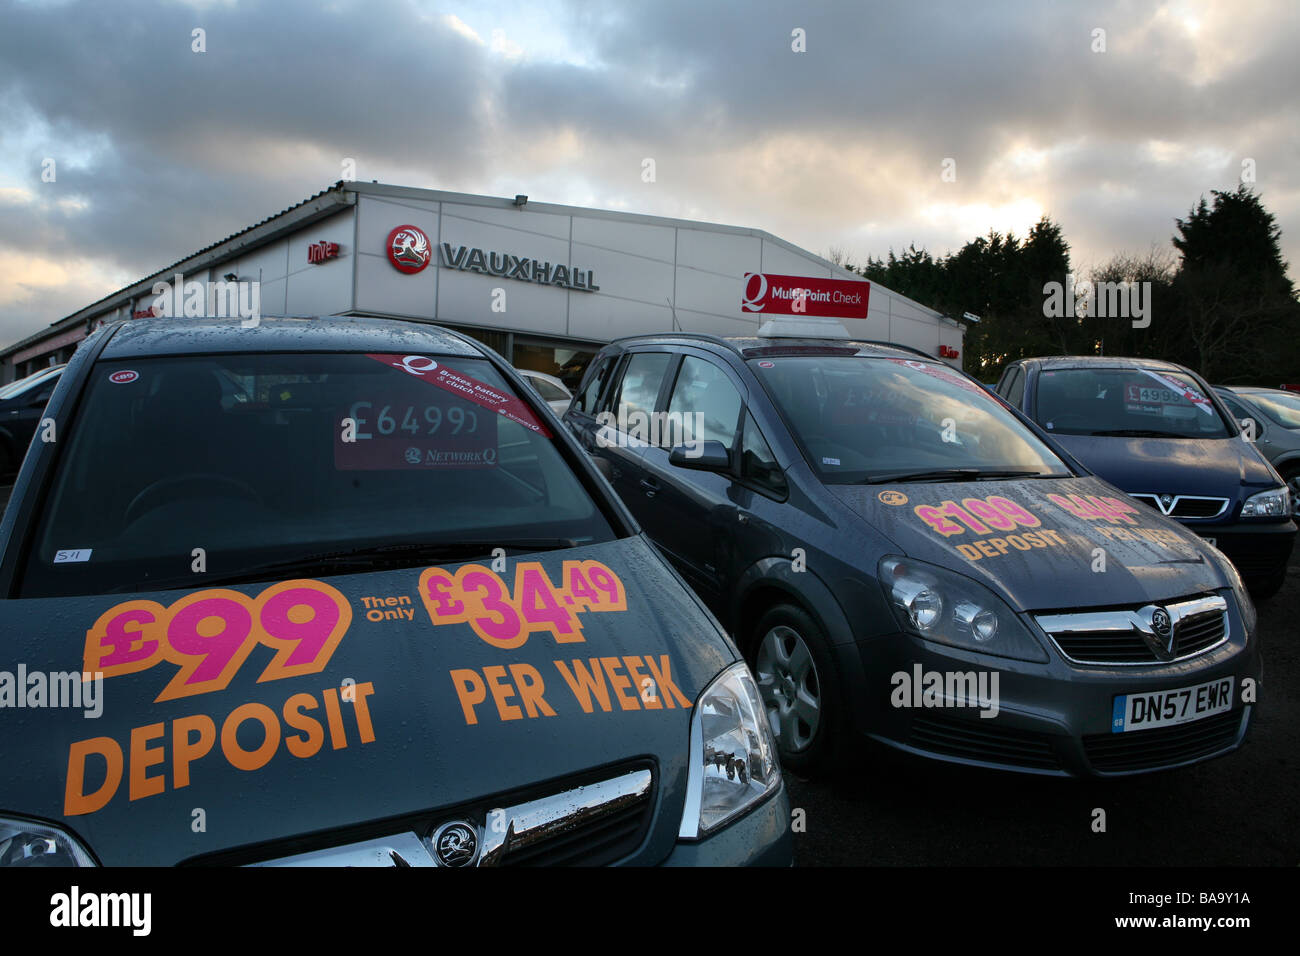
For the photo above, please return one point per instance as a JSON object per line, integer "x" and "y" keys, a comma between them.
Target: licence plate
{"x": 1165, "y": 708}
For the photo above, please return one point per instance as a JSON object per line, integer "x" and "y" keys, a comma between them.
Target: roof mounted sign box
{"x": 803, "y": 328}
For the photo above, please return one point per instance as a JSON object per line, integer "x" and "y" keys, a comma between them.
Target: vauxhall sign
{"x": 473, "y": 259}
{"x": 409, "y": 252}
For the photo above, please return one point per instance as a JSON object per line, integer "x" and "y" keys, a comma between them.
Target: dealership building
{"x": 544, "y": 285}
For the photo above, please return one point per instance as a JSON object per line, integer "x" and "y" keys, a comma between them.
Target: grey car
{"x": 1276, "y": 416}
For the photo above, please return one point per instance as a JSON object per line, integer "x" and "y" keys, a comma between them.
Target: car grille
{"x": 1120, "y": 636}
{"x": 984, "y": 742}
{"x": 588, "y": 820}
{"x": 1164, "y": 746}
{"x": 582, "y": 827}
{"x": 1185, "y": 506}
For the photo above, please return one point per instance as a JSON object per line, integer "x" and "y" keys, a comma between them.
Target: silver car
{"x": 1276, "y": 416}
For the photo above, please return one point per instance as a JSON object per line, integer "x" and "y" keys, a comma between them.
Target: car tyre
{"x": 792, "y": 662}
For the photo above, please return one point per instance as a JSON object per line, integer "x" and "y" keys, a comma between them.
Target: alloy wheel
{"x": 788, "y": 681}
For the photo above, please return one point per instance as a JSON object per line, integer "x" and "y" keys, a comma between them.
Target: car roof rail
{"x": 690, "y": 336}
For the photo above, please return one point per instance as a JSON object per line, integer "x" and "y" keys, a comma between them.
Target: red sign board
{"x": 769, "y": 294}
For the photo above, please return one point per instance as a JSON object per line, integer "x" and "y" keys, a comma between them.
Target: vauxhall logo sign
{"x": 473, "y": 259}
{"x": 409, "y": 252}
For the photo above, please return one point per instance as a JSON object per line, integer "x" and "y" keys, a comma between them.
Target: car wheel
{"x": 1292, "y": 478}
{"x": 792, "y": 662}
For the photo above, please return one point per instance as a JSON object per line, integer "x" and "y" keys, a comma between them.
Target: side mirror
{"x": 701, "y": 456}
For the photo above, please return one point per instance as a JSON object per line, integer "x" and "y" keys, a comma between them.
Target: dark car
{"x": 1273, "y": 417}
{"x": 344, "y": 591}
{"x": 900, "y": 555}
{"x": 22, "y": 405}
{"x": 1157, "y": 431}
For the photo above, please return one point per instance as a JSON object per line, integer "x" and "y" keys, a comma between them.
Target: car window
{"x": 1283, "y": 408}
{"x": 260, "y": 458}
{"x": 1236, "y": 408}
{"x": 27, "y": 387}
{"x": 638, "y": 390}
{"x": 1015, "y": 393}
{"x": 859, "y": 418}
{"x": 1008, "y": 376}
{"x": 705, "y": 403}
{"x": 757, "y": 463}
{"x": 548, "y": 390}
{"x": 1126, "y": 401}
{"x": 586, "y": 400}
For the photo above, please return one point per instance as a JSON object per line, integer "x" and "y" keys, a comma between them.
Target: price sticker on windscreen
{"x": 425, "y": 369}
{"x": 405, "y": 426}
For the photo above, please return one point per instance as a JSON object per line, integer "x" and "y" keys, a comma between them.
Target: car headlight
{"x": 1274, "y": 503}
{"x": 733, "y": 756}
{"x": 25, "y": 843}
{"x": 1244, "y": 603}
{"x": 948, "y": 608}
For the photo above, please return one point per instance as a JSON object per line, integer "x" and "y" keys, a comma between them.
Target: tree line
{"x": 1219, "y": 301}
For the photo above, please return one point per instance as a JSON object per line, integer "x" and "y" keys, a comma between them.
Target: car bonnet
{"x": 1043, "y": 543}
{"x": 341, "y": 700}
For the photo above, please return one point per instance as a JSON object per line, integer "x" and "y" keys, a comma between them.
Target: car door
{"x": 689, "y": 513}
{"x": 624, "y": 422}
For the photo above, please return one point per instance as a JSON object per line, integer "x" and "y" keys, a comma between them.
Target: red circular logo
{"x": 408, "y": 249}
{"x": 124, "y": 376}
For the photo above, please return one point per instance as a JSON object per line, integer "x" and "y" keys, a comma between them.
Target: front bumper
{"x": 1259, "y": 550}
{"x": 1053, "y": 718}
{"x": 761, "y": 837}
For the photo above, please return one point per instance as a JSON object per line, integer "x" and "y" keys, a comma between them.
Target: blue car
{"x": 1157, "y": 431}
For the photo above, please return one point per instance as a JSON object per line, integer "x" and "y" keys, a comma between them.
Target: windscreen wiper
{"x": 1139, "y": 433}
{"x": 951, "y": 474}
{"x": 366, "y": 558}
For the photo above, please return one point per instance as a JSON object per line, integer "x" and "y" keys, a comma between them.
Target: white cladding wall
{"x": 643, "y": 270}
{"x": 289, "y": 283}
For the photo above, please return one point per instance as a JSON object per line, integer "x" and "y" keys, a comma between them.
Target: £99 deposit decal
{"x": 203, "y": 640}
{"x": 505, "y": 615}
{"x": 209, "y": 634}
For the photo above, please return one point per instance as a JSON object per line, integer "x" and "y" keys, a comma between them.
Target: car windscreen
{"x": 23, "y": 385}
{"x": 1283, "y": 408}
{"x": 862, "y": 418}
{"x": 1126, "y": 402}
{"x": 182, "y": 470}
{"x": 549, "y": 391}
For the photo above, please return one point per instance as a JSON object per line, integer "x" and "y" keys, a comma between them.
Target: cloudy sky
{"x": 159, "y": 150}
